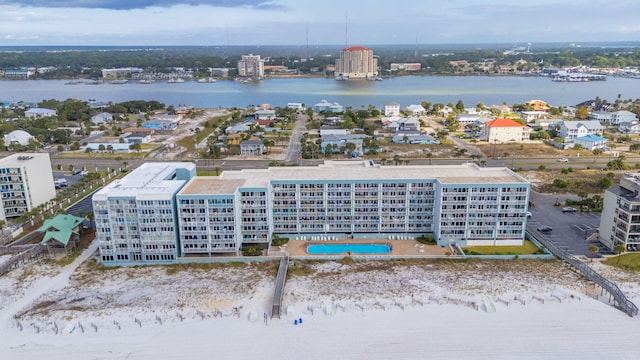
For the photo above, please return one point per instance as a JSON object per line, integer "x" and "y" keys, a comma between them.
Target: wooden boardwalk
{"x": 279, "y": 291}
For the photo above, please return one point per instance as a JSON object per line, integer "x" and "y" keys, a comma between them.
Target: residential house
{"x": 237, "y": 128}
{"x": 412, "y": 137}
{"x": 405, "y": 124}
{"x": 252, "y": 147}
{"x": 160, "y": 124}
{"x": 629, "y": 127}
{"x": 468, "y": 119}
{"x": 537, "y": 105}
{"x": 122, "y": 148}
{"x": 590, "y": 142}
{"x": 392, "y": 109}
{"x": 324, "y": 105}
{"x": 265, "y": 117}
{"x": 40, "y": 112}
{"x": 571, "y": 129}
{"x": 338, "y": 143}
{"x": 137, "y": 135}
{"x": 102, "y": 118}
{"x": 445, "y": 111}
{"x": 622, "y": 116}
{"x": 602, "y": 116}
{"x": 339, "y": 132}
{"x": 529, "y": 116}
{"x": 61, "y": 233}
{"x": 415, "y": 110}
{"x": 295, "y": 106}
{"x": 505, "y": 130}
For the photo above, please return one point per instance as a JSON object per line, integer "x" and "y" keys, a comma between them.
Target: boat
{"x": 146, "y": 81}
{"x": 209, "y": 80}
{"x": 175, "y": 80}
{"x": 119, "y": 82}
{"x": 93, "y": 82}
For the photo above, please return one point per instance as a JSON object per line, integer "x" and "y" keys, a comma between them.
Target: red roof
{"x": 503, "y": 123}
{"x": 356, "y": 48}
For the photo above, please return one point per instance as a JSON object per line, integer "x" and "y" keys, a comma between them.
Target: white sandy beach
{"x": 362, "y": 310}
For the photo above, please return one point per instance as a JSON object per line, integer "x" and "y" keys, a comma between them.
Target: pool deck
{"x": 400, "y": 247}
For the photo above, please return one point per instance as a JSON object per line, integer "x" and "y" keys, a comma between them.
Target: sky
{"x": 304, "y": 22}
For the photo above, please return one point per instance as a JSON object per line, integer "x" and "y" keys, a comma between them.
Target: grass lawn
{"x": 528, "y": 248}
{"x": 629, "y": 262}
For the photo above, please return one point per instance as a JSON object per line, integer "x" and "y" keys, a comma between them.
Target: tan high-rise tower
{"x": 356, "y": 62}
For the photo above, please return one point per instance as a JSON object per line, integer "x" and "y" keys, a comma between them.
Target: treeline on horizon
{"x": 89, "y": 62}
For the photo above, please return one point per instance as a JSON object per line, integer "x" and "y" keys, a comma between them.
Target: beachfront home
{"x": 629, "y": 127}
{"x": 324, "y": 105}
{"x": 162, "y": 212}
{"x": 537, "y": 105}
{"x": 405, "y": 124}
{"x": 530, "y": 116}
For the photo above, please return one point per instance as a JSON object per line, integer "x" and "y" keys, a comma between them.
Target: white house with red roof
{"x": 503, "y": 130}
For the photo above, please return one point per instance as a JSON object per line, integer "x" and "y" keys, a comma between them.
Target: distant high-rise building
{"x": 251, "y": 66}
{"x": 26, "y": 181}
{"x": 356, "y": 62}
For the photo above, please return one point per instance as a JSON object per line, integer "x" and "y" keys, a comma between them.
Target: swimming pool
{"x": 337, "y": 249}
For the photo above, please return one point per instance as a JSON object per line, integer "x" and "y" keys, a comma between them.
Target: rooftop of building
{"x": 356, "y": 48}
{"x": 503, "y": 122}
{"x": 351, "y": 171}
{"x": 211, "y": 185}
{"x": 20, "y": 159}
{"x": 149, "y": 179}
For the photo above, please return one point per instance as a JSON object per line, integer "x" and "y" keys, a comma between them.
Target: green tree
{"x": 619, "y": 249}
{"x": 596, "y": 153}
{"x": 582, "y": 112}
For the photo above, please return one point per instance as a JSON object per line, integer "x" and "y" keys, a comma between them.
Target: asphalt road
{"x": 570, "y": 230}
{"x": 294, "y": 148}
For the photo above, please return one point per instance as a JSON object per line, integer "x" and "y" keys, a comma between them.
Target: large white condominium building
{"x": 620, "y": 219}
{"x": 26, "y": 181}
{"x": 356, "y": 62}
{"x": 463, "y": 204}
{"x": 251, "y": 66}
{"x": 136, "y": 220}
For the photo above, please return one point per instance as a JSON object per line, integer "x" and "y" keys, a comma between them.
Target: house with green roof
{"x": 61, "y": 232}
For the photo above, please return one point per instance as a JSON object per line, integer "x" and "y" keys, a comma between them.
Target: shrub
{"x": 251, "y": 251}
{"x": 427, "y": 239}
{"x": 560, "y": 183}
{"x": 278, "y": 241}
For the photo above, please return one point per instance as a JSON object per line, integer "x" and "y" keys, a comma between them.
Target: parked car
{"x": 563, "y": 160}
{"x": 569, "y": 209}
{"x": 76, "y": 172}
{"x": 544, "y": 228}
{"x": 83, "y": 173}
{"x": 529, "y": 214}
{"x": 60, "y": 185}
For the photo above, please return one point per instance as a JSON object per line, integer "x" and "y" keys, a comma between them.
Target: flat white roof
{"x": 148, "y": 181}
{"x": 20, "y": 159}
{"x": 354, "y": 170}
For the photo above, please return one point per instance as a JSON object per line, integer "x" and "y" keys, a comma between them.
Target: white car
{"x": 563, "y": 160}
{"x": 529, "y": 214}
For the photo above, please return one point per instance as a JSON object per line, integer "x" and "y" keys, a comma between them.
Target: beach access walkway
{"x": 279, "y": 290}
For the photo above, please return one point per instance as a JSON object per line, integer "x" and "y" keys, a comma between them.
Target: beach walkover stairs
{"x": 279, "y": 291}
{"x": 620, "y": 300}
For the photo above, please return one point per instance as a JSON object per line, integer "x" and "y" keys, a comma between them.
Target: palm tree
{"x": 593, "y": 250}
{"x": 429, "y": 155}
{"x": 619, "y": 249}
{"x": 596, "y": 153}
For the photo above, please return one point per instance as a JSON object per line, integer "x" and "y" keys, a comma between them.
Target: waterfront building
{"x": 591, "y": 142}
{"x": 251, "y": 66}
{"x": 537, "y": 105}
{"x": 415, "y": 110}
{"x": 356, "y": 62}
{"x": 26, "y": 182}
{"x": 136, "y": 219}
{"x": 213, "y": 216}
{"x": 405, "y": 66}
{"x": 102, "y": 119}
{"x": 392, "y": 109}
{"x": 120, "y": 72}
{"x": 620, "y": 219}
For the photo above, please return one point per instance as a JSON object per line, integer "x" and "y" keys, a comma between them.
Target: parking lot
{"x": 570, "y": 230}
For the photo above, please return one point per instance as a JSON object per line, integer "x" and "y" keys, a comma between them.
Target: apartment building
{"x": 251, "y": 66}
{"x": 356, "y": 62}
{"x": 136, "y": 219}
{"x": 26, "y": 182}
{"x": 620, "y": 219}
{"x": 160, "y": 213}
